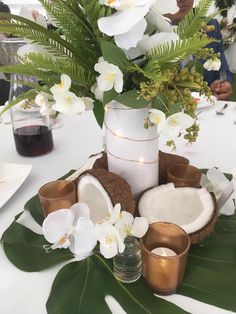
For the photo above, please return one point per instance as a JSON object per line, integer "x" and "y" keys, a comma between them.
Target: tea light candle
{"x": 163, "y": 251}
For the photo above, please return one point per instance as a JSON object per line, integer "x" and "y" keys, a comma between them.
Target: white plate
{"x": 11, "y": 178}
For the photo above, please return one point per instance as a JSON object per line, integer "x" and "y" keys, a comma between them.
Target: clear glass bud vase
{"x": 31, "y": 129}
{"x": 128, "y": 265}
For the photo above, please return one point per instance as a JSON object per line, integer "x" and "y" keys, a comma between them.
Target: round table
{"x": 75, "y": 141}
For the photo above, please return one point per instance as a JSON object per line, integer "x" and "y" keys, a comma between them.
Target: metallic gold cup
{"x": 184, "y": 175}
{"x": 164, "y": 273}
{"x": 56, "y": 195}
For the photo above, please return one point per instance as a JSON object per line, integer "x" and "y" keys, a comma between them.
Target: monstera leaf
{"x": 81, "y": 287}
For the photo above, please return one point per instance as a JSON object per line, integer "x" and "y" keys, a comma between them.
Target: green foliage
{"x": 177, "y": 51}
{"x": 75, "y": 288}
{"x": 192, "y": 22}
{"x": 80, "y": 281}
{"x": 113, "y": 54}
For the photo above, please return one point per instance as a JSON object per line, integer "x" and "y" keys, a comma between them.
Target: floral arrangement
{"x": 72, "y": 228}
{"x": 119, "y": 50}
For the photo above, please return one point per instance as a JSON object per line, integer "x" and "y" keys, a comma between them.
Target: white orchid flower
{"x": 215, "y": 181}
{"x": 97, "y": 92}
{"x": 155, "y": 18}
{"x": 110, "y": 76}
{"x": 88, "y": 103}
{"x": 110, "y": 240}
{"x": 157, "y": 117}
{"x": 212, "y": 64}
{"x": 129, "y": 13}
{"x": 131, "y": 38}
{"x": 45, "y": 106}
{"x": 68, "y": 102}
{"x": 63, "y": 86}
{"x": 176, "y": 124}
{"x": 71, "y": 228}
{"x": 128, "y": 225}
{"x": 150, "y": 42}
{"x": 33, "y": 16}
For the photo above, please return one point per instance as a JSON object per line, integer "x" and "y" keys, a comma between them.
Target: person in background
{"x": 4, "y": 85}
{"x": 220, "y": 81}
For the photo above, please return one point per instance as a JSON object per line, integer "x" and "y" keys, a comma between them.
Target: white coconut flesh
{"x": 91, "y": 192}
{"x": 190, "y": 208}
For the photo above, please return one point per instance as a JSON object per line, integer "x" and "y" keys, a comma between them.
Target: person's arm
{"x": 221, "y": 90}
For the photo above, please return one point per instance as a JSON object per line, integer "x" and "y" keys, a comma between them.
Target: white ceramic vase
{"x": 132, "y": 150}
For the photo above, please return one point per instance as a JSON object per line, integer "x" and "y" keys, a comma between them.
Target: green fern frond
{"x": 75, "y": 27}
{"x": 192, "y": 22}
{"x": 94, "y": 10}
{"x": 82, "y": 77}
{"x": 55, "y": 44}
{"x": 177, "y": 51}
{"x": 28, "y": 69}
{"x": 31, "y": 94}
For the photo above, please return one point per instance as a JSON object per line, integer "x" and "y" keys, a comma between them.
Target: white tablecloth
{"x": 80, "y": 136}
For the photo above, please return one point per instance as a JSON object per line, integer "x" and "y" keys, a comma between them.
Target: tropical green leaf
{"x": 179, "y": 50}
{"x": 113, "y": 54}
{"x": 132, "y": 99}
{"x": 80, "y": 281}
{"x": 177, "y": 107}
{"x": 192, "y": 22}
{"x": 211, "y": 269}
{"x": 25, "y": 249}
{"x": 188, "y": 84}
{"x": 109, "y": 96}
{"x": 160, "y": 102}
{"x": 99, "y": 112}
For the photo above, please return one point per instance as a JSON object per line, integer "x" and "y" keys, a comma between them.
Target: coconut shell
{"x": 165, "y": 161}
{"x": 101, "y": 162}
{"x": 200, "y": 235}
{"x": 116, "y": 187}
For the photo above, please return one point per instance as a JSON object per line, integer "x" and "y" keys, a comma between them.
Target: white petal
{"x": 66, "y": 80}
{"x": 132, "y": 37}
{"x": 108, "y": 251}
{"x": 88, "y": 103}
{"x": 41, "y": 20}
{"x": 118, "y": 84}
{"x": 68, "y": 102}
{"x": 140, "y": 227}
{"x": 122, "y": 21}
{"x": 155, "y": 18}
{"x": 80, "y": 210}
{"x": 115, "y": 213}
{"x": 217, "y": 178}
{"x": 83, "y": 245}
{"x": 26, "y": 13}
{"x": 124, "y": 224}
{"x": 157, "y": 117}
{"x": 104, "y": 84}
{"x": 57, "y": 224}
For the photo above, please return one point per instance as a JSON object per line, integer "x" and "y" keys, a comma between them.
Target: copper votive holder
{"x": 164, "y": 273}
{"x": 56, "y": 195}
{"x": 184, "y": 175}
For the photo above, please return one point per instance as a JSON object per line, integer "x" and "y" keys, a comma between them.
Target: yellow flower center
{"x": 110, "y": 76}
{"x": 109, "y": 239}
{"x": 157, "y": 119}
{"x": 62, "y": 240}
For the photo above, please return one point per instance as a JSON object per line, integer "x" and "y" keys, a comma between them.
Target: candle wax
{"x": 163, "y": 251}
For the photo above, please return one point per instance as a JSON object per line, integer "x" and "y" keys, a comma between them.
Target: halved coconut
{"x": 102, "y": 190}
{"x": 190, "y": 208}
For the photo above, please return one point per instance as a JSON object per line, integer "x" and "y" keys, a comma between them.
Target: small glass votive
{"x": 164, "y": 253}
{"x": 56, "y": 195}
{"x": 184, "y": 175}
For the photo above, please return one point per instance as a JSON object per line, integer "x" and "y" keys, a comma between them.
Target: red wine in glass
{"x": 33, "y": 140}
